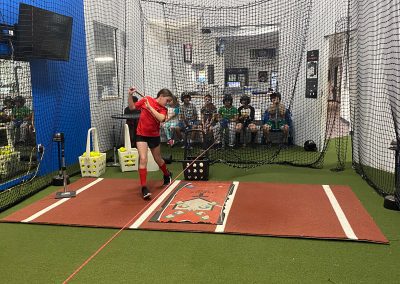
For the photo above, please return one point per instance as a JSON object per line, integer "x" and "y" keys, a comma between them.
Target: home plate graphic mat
{"x": 195, "y": 203}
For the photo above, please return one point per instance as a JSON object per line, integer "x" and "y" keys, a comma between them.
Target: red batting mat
{"x": 286, "y": 210}
{"x": 108, "y": 203}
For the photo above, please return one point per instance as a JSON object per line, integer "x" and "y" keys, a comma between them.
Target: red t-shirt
{"x": 149, "y": 125}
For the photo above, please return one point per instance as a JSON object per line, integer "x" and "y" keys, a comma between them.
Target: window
{"x": 106, "y": 60}
{"x": 264, "y": 53}
{"x": 240, "y": 75}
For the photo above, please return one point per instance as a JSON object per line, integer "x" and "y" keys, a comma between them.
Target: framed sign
{"x": 274, "y": 80}
{"x": 312, "y": 74}
{"x": 187, "y": 53}
{"x": 263, "y": 76}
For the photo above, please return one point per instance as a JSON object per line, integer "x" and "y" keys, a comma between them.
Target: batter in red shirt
{"x": 153, "y": 112}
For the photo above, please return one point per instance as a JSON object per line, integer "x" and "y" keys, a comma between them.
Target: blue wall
{"x": 60, "y": 89}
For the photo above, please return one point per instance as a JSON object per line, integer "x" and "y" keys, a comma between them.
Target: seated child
{"x": 187, "y": 115}
{"x": 228, "y": 115}
{"x": 5, "y": 114}
{"x": 274, "y": 118}
{"x": 246, "y": 120}
{"x": 172, "y": 121}
{"x": 209, "y": 119}
{"x": 22, "y": 119}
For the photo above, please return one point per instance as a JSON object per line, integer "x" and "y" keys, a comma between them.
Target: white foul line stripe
{"x": 153, "y": 206}
{"x": 228, "y": 206}
{"x": 61, "y": 201}
{"x": 340, "y": 214}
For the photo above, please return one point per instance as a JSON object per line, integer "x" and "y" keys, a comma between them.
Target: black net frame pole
{"x": 397, "y": 175}
{"x": 59, "y": 159}
{"x": 59, "y": 138}
{"x": 392, "y": 202}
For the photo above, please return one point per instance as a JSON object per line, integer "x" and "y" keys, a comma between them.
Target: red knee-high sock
{"x": 164, "y": 169}
{"x": 143, "y": 176}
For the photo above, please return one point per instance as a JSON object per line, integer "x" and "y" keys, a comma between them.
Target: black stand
{"x": 59, "y": 138}
{"x": 58, "y": 180}
{"x": 114, "y": 163}
{"x": 167, "y": 158}
{"x": 392, "y": 202}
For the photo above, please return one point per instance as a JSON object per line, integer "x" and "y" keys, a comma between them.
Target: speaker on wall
{"x": 210, "y": 73}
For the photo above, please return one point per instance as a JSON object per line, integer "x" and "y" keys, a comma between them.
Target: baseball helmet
{"x": 8, "y": 101}
{"x": 310, "y": 146}
{"x": 245, "y": 99}
{"x": 185, "y": 95}
{"x": 227, "y": 98}
{"x": 275, "y": 95}
{"x": 20, "y": 99}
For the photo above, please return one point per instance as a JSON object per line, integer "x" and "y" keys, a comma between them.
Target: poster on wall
{"x": 187, "y": 53}
{"x": 263, "y": 76}
{"x": 274, "y": 80}
{"x": 312, "y": 74}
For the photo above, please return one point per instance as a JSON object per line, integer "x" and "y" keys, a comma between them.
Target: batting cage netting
{"x": 262, "y": 81}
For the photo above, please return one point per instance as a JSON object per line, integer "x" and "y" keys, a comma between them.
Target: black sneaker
{"x": 167, "y": 179}
{"x": 146, "y": 193}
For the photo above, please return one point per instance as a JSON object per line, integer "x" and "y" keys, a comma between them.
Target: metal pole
{"x": 392, "y": 202}
{"x": 59, "y": 138}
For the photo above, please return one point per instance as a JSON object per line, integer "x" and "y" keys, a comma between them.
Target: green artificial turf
{"x": 49, "y": 254}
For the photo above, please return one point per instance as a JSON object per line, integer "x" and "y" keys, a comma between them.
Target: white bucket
{"x": 92, "y": 165}
{"x": 151, "y": 163}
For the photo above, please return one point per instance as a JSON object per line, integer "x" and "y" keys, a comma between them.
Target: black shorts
{"x": 152, "y": 142}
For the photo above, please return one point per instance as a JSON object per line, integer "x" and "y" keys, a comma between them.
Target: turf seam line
{"x": 228, "y": 206}
{"x": 153, "y": 206}
{"x": 340, "y": 214}
{"x": 59, "y": 202}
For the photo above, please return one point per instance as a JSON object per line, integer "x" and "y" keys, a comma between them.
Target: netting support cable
{"x": 302, "y": 51}
{"x": 199, "y": 7}
{"x": 124, "y": 60}
{"x": 173, "y": 83}
{"x": 142, "y": 20}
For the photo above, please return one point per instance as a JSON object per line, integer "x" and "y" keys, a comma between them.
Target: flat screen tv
{"x": 233, "y": 84}
{"x": 42, "y": 34}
